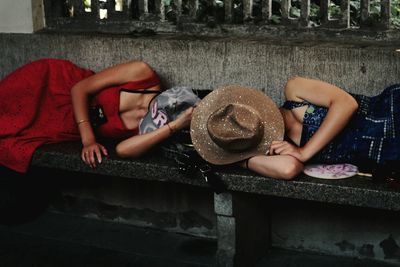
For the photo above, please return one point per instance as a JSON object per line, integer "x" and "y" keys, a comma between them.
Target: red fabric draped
{"x": 36, "y": 109}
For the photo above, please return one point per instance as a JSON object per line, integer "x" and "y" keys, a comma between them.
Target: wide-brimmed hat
{"x": 233, "y": 123}
{"x": 166, "y": 107}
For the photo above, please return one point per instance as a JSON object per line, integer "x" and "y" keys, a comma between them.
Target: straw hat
{"x": 233, "y": 123}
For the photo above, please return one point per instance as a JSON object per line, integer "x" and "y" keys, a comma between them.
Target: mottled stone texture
{"x": 356, "y": 191}
{"x": 206, "y": 63}
{"x": 242, "y": 228}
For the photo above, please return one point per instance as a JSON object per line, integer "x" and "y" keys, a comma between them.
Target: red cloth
{"x": 36, "y": 108}
{"x": 109, "y": 101}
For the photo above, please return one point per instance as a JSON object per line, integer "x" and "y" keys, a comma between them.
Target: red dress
{"x": 36, "y": 109}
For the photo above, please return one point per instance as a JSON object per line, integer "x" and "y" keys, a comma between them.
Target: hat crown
{"x": 235, "y": 127}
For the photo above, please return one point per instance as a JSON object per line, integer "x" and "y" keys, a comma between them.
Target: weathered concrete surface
{"x": 211, "y": 62}
{"x": 336, "y": 230}
{"x": 167, "y": 206}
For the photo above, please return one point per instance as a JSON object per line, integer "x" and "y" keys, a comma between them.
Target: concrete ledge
{"x": 356, "y": 191}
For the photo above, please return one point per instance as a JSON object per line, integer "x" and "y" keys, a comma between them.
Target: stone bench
{"x": 358, "y": 65}
{"x": 239, "y": 242}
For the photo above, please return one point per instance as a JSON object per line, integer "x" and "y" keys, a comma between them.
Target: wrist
{"x": 171, "y": 127}
{"x": 82, "y": 122}
{"x": 305, "y": 154}
{"x": 88, "y": 141}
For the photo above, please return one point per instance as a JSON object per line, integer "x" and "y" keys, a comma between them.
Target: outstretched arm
{"x": 119, "y": 74}
{"x": 341, "y": 107}
{"x": 137, "y": 145}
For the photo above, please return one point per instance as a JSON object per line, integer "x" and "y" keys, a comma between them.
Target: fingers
{"x": 87, "y": 158}
{"x": 190, "y": 110}
{"x": 92, "y": 153}
{"x": 184, "y": 119}
{"x": 280, "y": 148}
{"x": 104, "y": 150}
{"x": 274, "y": 146}
{"x": 97, "y": 153}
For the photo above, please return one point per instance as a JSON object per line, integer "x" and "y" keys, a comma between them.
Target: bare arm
{"x": 278, "y": 166}
{"x": 139, "y": 144}
{"x": 341, "y": 107}
{"x": 119, "y": 74}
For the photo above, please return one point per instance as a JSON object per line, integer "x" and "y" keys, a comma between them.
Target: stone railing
{"x": 226, "y": 17}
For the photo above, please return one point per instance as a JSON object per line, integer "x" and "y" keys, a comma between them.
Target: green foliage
{"x": 86, "y": 3}
{"x": 395, "y": 18}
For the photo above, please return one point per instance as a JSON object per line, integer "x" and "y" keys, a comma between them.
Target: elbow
{"x": 120, "y": 152}
{"x": 347, "y": 102}
{"x": 123, "y": 152}
{"x": 77, "y": 92}
{"x": 353, "y": 104}
{"x": 292, "y": 169}
{"x": 74, "y": 90}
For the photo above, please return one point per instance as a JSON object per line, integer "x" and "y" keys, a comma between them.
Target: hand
{"x": 183, "y": 119}
{"x": 91, "y": 151}
{"x": 286, "y": 148}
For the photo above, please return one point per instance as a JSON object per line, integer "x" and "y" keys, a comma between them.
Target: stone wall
{"x": 211, "y": 62}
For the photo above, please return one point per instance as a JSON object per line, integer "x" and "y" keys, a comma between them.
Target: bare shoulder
{"x": 293, "y": 85}
{"x": 125, "y": 72}
{"x": 135, "y": 69}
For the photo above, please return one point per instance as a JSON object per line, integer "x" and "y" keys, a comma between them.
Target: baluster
{"x": 78, "y": 8}
{"x": 212, "y": 14}
{"x": 194, "y": 7}
{"x": 54, "y": 10}
{"x": 247, "y": 10}
{"x": 160, "y": 9}
{"x": 178, "y": 4}
{"x": 305, "y": 12}
{"x": 286, "y": 4}
{"x": 228, "y": 5}
{"x": 266, "y": 9}
{"x": 364, "y": 12}
{"x": 345, "y": 13}
{"x": 127, "y": 8}
{"x": 385, "y": 13}
{"x": 111, "y": 12}
{"x": 68, "y": 8}
{"x": 95, "y": 8}
{"x": 143, "y": 9}
{"x": 328, "y": 22}
{"x": 323, "y": 11}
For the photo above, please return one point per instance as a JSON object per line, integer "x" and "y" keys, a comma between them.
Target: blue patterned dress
{"x": 373, "y": 133}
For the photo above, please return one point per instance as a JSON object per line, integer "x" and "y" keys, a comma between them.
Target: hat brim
{"x": 268, "y": 111}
